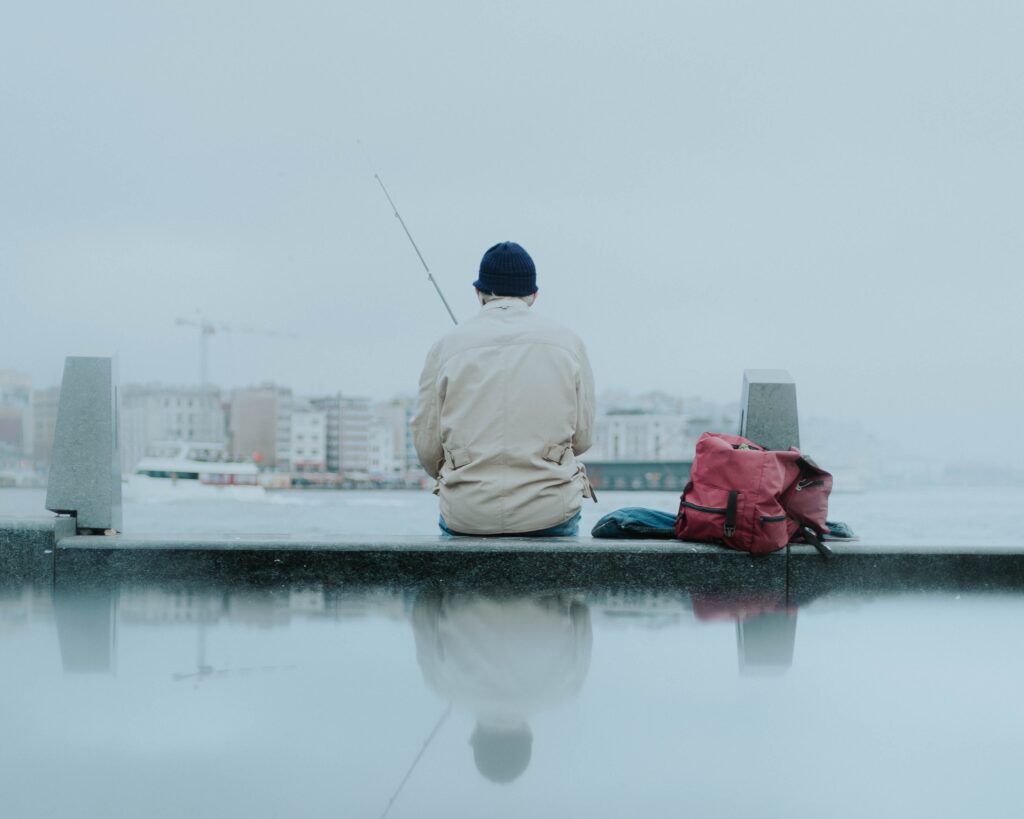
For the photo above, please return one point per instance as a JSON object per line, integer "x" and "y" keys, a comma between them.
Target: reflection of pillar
{"x": 765, "y": 642}
{"x": 765, "y": 626}
{"x": 86, "y": 629}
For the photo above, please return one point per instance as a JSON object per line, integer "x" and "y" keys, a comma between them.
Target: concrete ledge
{"x": 475, "y": 563}
{"x": 10, "y": 526}
{"x": 42, "y": 549}
{"x": 890, "y": 569}
{"x": 856, "y": 549}
{"x": 797, "y": 574}
{"x": 28, "y": 548}
{"x": 384, "y": 543}
{"x": 493, "y": 545}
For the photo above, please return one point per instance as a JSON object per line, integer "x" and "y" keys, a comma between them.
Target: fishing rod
{"x": 412, "y": 241}
{"x": 415, "y": 762}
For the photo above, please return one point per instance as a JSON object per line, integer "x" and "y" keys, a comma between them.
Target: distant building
{"x": 16, "y": 427}
{"x": 260, "y": 425}
{"x": 393, "y": 453}
{"x": 638, "y": 436}
{"x": 711, "y": 416}
{"x": 348, "y": 433}
{"x": 655, "y": 426}
{"x": 649, "y": 427}
{"x": 155, "y": 412}
{"x": 384, "y": 459}
{"x": 648, "y": 403}
{"x": 308, "y": 438}
{"x": 44, "y": 417}
{"x": 354, "y": 434}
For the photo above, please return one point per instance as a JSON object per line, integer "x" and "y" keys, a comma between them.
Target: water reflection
{"x": 503, "y": 660}
{"x": 765, "y": 627}
{"x": 86, "y": 630}
{"x": 500, "y": 657}
{"x": 149, "y": 693}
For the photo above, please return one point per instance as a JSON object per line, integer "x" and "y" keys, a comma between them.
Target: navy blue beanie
{"x": 507, "y": 270}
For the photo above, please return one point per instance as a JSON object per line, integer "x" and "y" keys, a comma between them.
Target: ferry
{"x": 189, "y": 468}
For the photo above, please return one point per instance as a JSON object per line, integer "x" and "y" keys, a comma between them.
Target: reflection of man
{"x": 503, "y": 660}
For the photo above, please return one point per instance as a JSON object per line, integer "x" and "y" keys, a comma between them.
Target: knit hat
{"x": 507, "y": 270}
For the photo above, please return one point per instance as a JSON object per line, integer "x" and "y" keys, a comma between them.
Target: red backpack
{"x": 752, "y": 499}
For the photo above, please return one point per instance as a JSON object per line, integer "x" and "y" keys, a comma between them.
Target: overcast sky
{"x": 831, "y": 188}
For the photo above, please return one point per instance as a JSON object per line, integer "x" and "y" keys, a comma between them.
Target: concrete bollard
{"x": 85, "y": 471}
{"x": 768, "y": 413}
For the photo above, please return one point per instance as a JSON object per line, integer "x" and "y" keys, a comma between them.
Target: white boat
{"x": 178, "y": 469}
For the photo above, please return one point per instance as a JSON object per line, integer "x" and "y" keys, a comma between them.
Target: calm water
{"x": 227, "y": 696}
{"x": 955, "y": 516}
{"x": 175, "y": 701}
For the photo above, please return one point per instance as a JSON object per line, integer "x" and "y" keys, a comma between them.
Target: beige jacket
{"x": 506, "y": 403}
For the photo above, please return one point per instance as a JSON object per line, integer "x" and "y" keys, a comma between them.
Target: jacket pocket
{"x": 457, "y": 458}
{"x": 555, "y": 453}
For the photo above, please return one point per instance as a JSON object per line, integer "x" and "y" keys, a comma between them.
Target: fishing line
{"x": 416, "y": 761}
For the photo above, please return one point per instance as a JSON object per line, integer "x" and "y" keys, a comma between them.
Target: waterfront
{"x": 957, "y": 516}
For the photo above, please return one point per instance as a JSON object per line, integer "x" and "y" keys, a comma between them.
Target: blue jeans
{"x": 569, "y": 528}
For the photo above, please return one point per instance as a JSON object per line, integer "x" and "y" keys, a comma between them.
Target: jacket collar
{"x": 514, "y": 304}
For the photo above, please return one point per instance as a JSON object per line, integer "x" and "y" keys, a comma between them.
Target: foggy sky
{"x": 831, "y": 188}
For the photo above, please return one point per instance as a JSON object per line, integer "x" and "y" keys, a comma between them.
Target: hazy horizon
{"x": 828, "y": 188}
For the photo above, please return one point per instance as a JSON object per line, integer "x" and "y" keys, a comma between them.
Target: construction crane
{"x": 208, "y": 327}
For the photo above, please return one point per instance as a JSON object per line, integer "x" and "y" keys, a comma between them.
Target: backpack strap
{"x": 815, "y": 540}
{"x": 730, "y": 514}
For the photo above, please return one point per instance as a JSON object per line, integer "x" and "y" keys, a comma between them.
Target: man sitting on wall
{"x": 506, "y": 403}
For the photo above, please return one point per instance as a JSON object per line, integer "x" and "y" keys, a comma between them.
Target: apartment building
{"x": 157, "y": 412}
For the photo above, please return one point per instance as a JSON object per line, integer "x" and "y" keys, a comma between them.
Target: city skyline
{"x": 284, "y": 431}
{"x": 386, "y": 447}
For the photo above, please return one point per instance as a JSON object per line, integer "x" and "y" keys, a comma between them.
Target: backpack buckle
{"x": 730, "y": 514}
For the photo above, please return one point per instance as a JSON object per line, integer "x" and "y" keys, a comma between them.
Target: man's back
{"x": 505, "y": 404}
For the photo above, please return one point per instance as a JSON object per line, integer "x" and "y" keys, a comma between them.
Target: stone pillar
{"x": 85, "y": 471}
{"x": 768, "y": 409}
